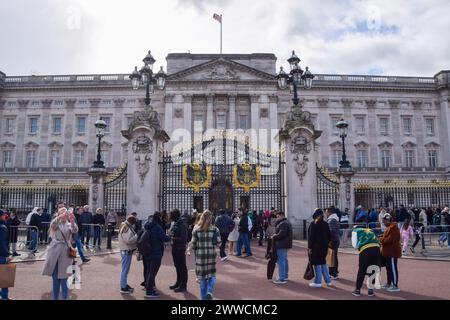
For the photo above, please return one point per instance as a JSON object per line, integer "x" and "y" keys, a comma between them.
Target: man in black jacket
{"x": 179, "y": 242}
{"x": 283, "y": 242}
{"x": 36, "y": 223}
{"x": 225, "y": 225}
{"x": 244, "y": 232}
{"x": 4, "y": 248}
{"x": 335, "y": 232}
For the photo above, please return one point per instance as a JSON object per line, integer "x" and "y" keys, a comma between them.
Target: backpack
{"x": 144, "y": 243}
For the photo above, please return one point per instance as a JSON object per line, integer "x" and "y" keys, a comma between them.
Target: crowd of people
{"x": 201, "y": 233}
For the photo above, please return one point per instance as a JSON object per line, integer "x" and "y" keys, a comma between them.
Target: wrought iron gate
{"x": 216, "y": 159}
{"x": 115, "y": 191}
{"x": 327, "y": 190}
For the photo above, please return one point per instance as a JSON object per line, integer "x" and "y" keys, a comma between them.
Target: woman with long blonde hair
{"x": 58, "y": 260}
{"x": 205, "y": 238}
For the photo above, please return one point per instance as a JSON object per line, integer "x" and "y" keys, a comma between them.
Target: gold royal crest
{"x": 196, "y": 176}
{"x": 246, "y": 176}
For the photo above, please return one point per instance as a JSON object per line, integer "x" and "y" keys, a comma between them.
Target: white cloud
{"x": 402, "y": 37}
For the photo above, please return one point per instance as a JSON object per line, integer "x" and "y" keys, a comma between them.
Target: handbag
{"x": 72, "y": 253}
{"x": 309, "y": 272}
{"x": 331, "y": 262}
{"x": 7, "y": 275}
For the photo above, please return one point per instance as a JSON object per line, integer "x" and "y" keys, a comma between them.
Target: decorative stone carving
{"x": 264, "y": 113}
{"x": 395, "y": 104}
{"x": 417, "y": 104}
{"x": 296, "y": 117}
{"x": 70, "y": 103}
{"x": 23, "y": 103}
{"x": 2, "y": 103}
{"x": 347, "y": 103}
{"x": 147, "y": 118}
{"x": 119, "y": 102}
{"x": 371, "y": 103}
{"x": 142, "y": 149}
{"x": 178, "y": 113}
{"x": 300, "y": 148}
{"x": 95, "y": 192}
{"x": 46, "y": 103}
{"x": 323, "y": 102}
{"x": 94, "y": 102}
{"x": 221, "y": 72}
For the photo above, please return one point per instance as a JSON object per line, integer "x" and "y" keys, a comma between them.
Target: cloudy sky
{"x": 390, "y": 37}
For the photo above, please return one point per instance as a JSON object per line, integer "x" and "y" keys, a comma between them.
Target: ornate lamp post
{"x": 100, "y": 126}
{"x": 295, "y": 78}
{"x": 146, "y": 77}
{"x": 344, "y": 164}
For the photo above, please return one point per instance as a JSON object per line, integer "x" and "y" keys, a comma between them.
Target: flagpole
{"x": 220, "y": 34}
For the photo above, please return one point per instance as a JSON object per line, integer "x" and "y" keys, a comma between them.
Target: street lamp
{"x": 100, "y": 126}
{"x": 146, "y": 77}
{"x": 342, "y": 125}
{"x": 295, "y": 78}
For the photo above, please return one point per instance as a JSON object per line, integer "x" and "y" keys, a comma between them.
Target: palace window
{"x": 107, "y": 102}
{"x": 336, "y": 157}
{"x": 105, "y": 157}
{"x": 429, "y": 122}
{"x": 12, "y": 103}
{"x": 243, "y": 121}
{"x": 384, "y": 125}
{"x": 9, "y": 125}
{"x": 81, "y": 125}
{"x": 59, "y": 103}
{"x": 386, "y": 158}
{"x": 35, "y": 103}
{"x": 432, "y": 158}
{"x": 31, "y": 159}
{"x": 361, "y": 158}
{"x": 407, "y": 126}
{"x": 57, "y": 121}
{"x": 360, "y": 124}
{"x": 7, "y": 159}
{"x": 409, "y": 158}
{"x": 221, "y": 122}
{"x": 33, "y": 125}
{"x": 334, "y": 121}
{"x": 82, "y": 102}
{"x": 79, "y": 159}
{"x": 107, "y": 119}
{"x": 55, "y": 158}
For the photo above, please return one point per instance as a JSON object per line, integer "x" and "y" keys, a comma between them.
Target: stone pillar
{"x": 145, "y": 139}
{"x": 96, "y": 188}
{"x": 69, "y": 124}
{"x": 116, "y": 150}
{"x": 346, "y": 191}
{"x": 43, "y": 152}
{"x": 210, "y": 111}
{"x": 444, "y": 130}
{"x": 396, "y": 132}
{"x": 254, "y": 109}
{"x": 372, "y": 120}
{"x": 232, "y": 103}
{"x": 273, "y": 115}
{"x": 298, "y": 138}
{"x": 187, "y": 113}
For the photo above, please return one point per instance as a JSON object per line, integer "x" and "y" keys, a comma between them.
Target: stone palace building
{"x": 399, "y": 126}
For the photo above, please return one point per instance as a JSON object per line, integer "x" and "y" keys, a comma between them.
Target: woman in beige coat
{"x": 58, "y": 260}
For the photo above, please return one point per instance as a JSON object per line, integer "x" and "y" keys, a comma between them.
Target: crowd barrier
{"x": 23, "y": 238}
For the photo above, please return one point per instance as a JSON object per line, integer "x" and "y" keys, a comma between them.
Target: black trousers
{"x": 367, "y": 258}
{"x": 418, "y": 237}
{"x": 145, "y": 262}
{"x": 153, "y": 265}
{"x": 334, "y": 271}
{"x": 392, "y": 270}
{"x": 271, "y": 254}
{"x": 179, "y": 261}
{"x": 224, "y": 239}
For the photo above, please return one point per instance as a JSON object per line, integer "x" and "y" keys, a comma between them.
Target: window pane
{"x": 221, "y": 122}
{"x": 407, "y": 125}
{"x": 386, "y": 158}
{"x": 81, "y": 124}
{"x": 57, "y": 125}
{"x": 362, "y": 158}
{"x": 33, "y": 125}
{"x": 430, "y": 126}
{"x": 243, "y": 120}
{"x": 108, "y": 123}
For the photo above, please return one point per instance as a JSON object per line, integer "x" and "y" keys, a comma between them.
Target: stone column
{"x": 254, "y": 109}
{"x": 68, "y": 132}
{"x": 232, "y": 104}
{"x": 145, "y": 139}
{"x": 273, "y": 115}
{"x": 209, "y": 111}
{"x": 444, "y": 131}
{"x": 96, "y": 188}
{"x": 116, "y": 150}
{"x": 372, "y": 120}
{"x": 43, "y": 152}
{"x": 298, "y": 140}
{"x": 419, "y": 132}
{"x": 91, "y": 152}
{"x": 187, "y": 113}
{"x": 396, "y": 131}
{"x": 22, "y": 131}
{"x": 346, "y": 191}
{"x": 324, "y": 122}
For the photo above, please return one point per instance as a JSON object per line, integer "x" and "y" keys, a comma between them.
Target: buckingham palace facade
{"x": 399, "y": 126}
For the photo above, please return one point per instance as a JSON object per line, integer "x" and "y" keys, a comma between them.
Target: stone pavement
{"x": 238, "y": 278}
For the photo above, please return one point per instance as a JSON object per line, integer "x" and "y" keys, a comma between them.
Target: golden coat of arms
{"x": 196, "y": 176}
{"x": 246, "y": 176}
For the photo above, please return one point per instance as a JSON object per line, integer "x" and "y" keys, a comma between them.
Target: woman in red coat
{"x": 391, "y": 251}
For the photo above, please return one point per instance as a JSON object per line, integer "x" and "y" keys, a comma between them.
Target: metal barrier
{"x": 22, "y": 237}
{"x": 91, "y": 235}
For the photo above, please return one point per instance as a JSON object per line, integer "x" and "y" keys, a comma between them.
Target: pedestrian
{"x": 127, "y": 245}
{"x": 261, "y": 226}
{"x": 205, "y": 238}
{"x": 234, "y": 235}
{"x": 419, "y": 230}
{"x": 362, "y": 217}
{"x": 445, "y": 227}
{"x": 58, "y": 260}
{"x": 244, "y": 233}
{"x": 13, "y": 223}
{"x": 335, "y": 232}
{"x": 141, "y": 252}
{"x": 138, "y": 225}
{"x": 380, "y": 219}
{"x": 344, "y": 219}
{"x": 225, "y": 225}
{"x": 271, "y": 252}
{"x": 157, "y": 237}
{"x": 76, "y": 236}
{"x": 4, "y": 249}
{"x": 86, "y": 221}
{"x": 406, "y": 233}
{"x": 373, "y": 218}
{"x": 45, "y": 224}
{"x": 99, "y": 223}
{"x": 282, "y": 243}
{"x": 401, "y": 216}
{"x": 365, "y": 240}
{"x": 35, "y": 227}
{"x": 112, "y": 219}
{"x": 391, "y": 251}
{"x": 318, "y": 240}
{"x": 179, "y": 236}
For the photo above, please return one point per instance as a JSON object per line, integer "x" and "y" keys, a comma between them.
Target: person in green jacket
{"x": 367, "y": 243}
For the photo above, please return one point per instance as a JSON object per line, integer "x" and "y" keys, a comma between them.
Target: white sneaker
{"x": 280, "y": 281}
{"x": 329, "y": 284}
{"x": 315, "y": 285}
{"x": 224, "y": 258}
{"x": 334, "y": 277}
{"x": 394, "y": 289}
{"x": 385, "y": 286}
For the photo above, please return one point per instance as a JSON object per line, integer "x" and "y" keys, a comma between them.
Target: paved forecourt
{"x": 237, "y": 278}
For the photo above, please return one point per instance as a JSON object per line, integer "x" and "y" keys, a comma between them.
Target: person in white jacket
{"x": 127, "y": 244}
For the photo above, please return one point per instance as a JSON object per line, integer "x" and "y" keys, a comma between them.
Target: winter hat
{"x": 446, "y": 209}
{"x": 317, "y": 213}
{"x": 387, "y": 216}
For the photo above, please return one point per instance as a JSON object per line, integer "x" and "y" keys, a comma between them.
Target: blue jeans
{"x": 243, "y": 240}
{"x": 34, "y": 239}
{"x": 85, "y": 234}
{"x": 59, "y": 283}
{"x": 126, "y": 264}
{"x": 79, "y": 247}
{"x": 319, "y": 271}
{"x": 207, "y": 286}
{"x": 282, "y": 262}
{"x": 4, "y": 292}
{"x": 97, "y": 235}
